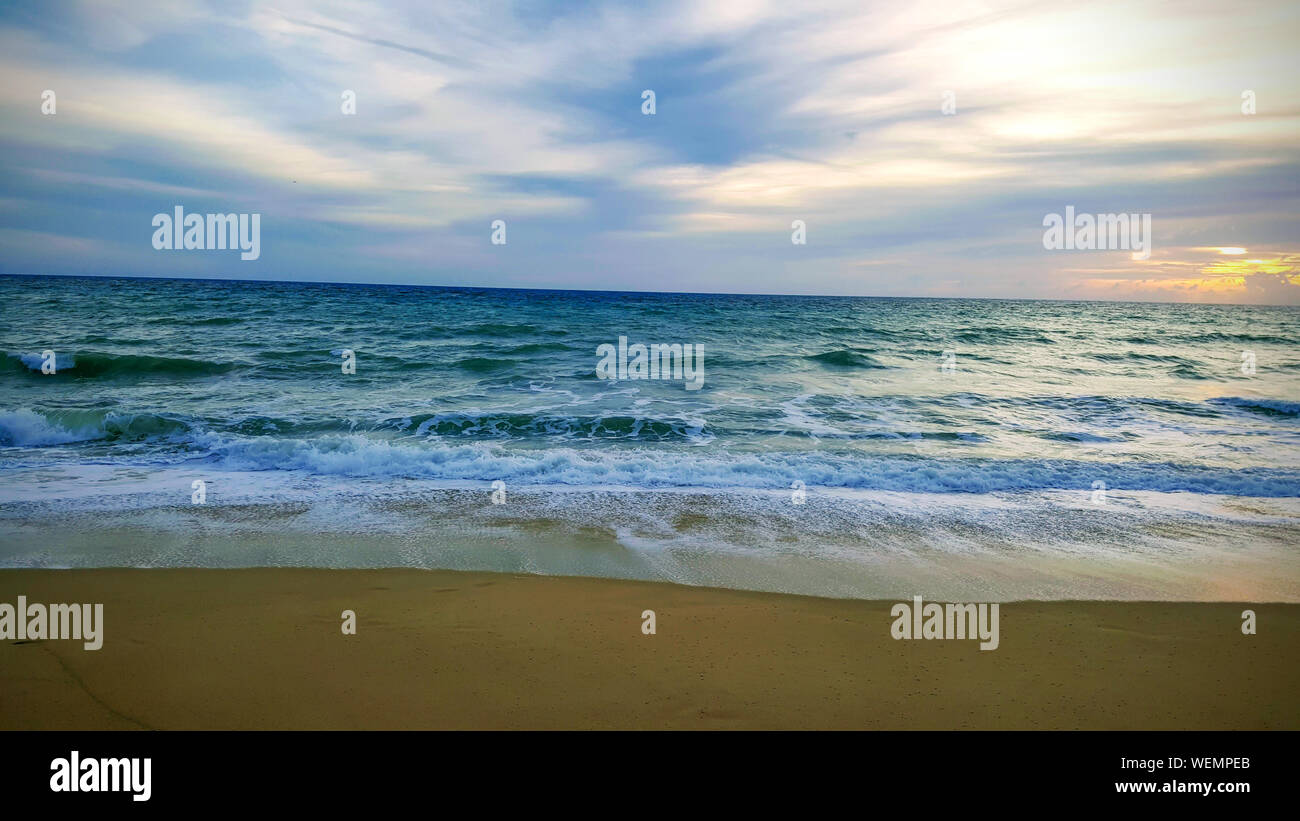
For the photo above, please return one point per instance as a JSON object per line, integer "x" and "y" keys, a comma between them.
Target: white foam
{"x": 25, "y": 428}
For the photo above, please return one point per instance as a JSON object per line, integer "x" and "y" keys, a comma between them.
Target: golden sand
{"x": 263, "y": 649}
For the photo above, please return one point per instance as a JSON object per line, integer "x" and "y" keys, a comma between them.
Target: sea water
{"x": 840, "y": 446}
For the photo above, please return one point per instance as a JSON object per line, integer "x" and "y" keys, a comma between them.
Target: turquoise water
{"x": 1040, "y": 405}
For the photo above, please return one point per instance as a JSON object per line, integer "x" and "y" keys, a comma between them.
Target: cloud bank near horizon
{"x": 766, "y": 113}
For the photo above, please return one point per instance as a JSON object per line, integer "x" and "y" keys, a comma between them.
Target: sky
{"x": 765, "y": 113}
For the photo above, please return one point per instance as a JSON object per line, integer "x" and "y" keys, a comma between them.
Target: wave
{"x": 38, "y": 428}
{"x": 481, "y": 364}
{"x": 34, "y": 362}
{"x": 211, "y": 321}
{"x": 501, "y": 329}
{"x": 1002, "y": 333}
{"x": 1267, "y": 407}
{"x": 27, "y": 428}
{"x": 877, "y": 333}
{"x": 1215, "y": 337}
{"x": 845, "y": 359}
{"x": 1187, "y": 371}
{"x": 360, "y": 456}
{"x": 1239, "y": 337}
{"x": 538, "y": 347}
{"x": 526, "y": 424}
{"x": 952, "y": 418}
{"x": 1133, "y": 356}
{"x": 1080, "y": 436}
{"x": 96, "y": 365}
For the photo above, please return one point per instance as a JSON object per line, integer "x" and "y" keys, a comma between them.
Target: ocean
{"x": 858, "y": 447}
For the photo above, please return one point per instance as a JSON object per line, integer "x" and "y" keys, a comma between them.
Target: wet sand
{"x": 263, "y": 649}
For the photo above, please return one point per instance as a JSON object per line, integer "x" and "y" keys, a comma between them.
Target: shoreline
{"x": 262, "y": 648}
{"x": 865, "y": 545}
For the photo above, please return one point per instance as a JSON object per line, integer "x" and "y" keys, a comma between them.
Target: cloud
{"x": 766, "y": 112}
{"x": 444, "y": 59}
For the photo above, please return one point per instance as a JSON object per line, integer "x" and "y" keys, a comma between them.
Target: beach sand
{"x": 263, "y": 649}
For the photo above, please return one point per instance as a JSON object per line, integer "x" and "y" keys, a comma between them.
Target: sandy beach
{"x": 263, "y": 649}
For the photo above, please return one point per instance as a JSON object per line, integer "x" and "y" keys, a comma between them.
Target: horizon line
{"x": 638, "y": 293}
